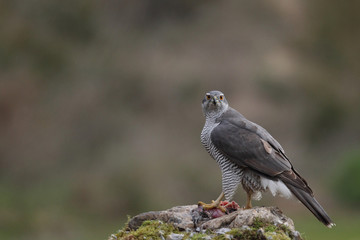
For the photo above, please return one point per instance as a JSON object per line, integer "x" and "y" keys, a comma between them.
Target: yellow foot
{"x": 248, "y": 205}
{"x": 212, "y": 205}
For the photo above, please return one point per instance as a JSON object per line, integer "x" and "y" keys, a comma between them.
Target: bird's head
{"x": 214, "y": 103}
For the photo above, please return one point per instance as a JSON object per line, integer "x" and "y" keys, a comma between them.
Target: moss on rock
{"x": 156, "y": 229}
{"x": 183, "y": 222}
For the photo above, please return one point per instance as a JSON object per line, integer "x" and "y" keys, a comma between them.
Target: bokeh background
{"x": 100, "y": 111}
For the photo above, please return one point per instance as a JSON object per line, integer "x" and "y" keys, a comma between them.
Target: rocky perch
{"x": 192, "y": 222}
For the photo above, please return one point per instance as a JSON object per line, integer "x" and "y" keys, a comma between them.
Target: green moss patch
{"x": 156, "y": 229}
{"x": 148, "y": 230}
{"x": 261, "y": 230}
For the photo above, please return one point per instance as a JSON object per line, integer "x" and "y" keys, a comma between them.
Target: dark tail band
{"x": 313, "y": 205}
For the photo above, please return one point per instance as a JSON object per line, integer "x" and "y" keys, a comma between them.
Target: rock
{"x": 223, "y": 230}
{"x": 187, "y": 222}
{"x": 179, "y": 216}
{"x": 175, "y": 236}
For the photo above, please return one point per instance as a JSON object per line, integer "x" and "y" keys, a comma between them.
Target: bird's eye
{"x": 208, "y": 97}
{"x": 221, "y": 97}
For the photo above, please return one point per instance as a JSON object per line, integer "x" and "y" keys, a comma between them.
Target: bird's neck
{"x": 211, "y": 116}
{"x": 210, "y": 123}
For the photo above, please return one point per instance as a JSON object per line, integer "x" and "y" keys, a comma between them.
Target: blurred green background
{"x": 100, "y": 111}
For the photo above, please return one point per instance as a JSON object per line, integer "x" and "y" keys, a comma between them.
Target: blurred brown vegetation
{"x": 100, "y": 103}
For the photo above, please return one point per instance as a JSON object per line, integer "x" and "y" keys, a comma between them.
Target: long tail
{"x": 310, "y": 202}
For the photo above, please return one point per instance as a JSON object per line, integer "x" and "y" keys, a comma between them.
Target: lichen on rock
{"x": 184, "y": 222}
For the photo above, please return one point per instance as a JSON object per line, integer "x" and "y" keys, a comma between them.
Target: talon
{"x": 213, "y": 204}
{"x": 207, "y": 205}
{"x": 200, "y": 203}
{"x": 223, "y": 209}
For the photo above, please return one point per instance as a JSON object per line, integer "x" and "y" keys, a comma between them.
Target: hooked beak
{"x": 215, "y": 100}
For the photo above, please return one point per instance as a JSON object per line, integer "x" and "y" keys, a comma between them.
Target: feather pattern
{"x": 248, "y": 155}
{"x": 252, "y": 148}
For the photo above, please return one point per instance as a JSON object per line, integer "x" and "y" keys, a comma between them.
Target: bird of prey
{"x": 248, "y": 155}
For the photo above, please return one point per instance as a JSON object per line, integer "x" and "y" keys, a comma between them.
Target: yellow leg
{"x": 248, "y": 200}
{"x": 214, "y": 204}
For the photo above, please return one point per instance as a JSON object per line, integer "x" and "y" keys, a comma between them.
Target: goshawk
{"x": 248, "y": 155}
